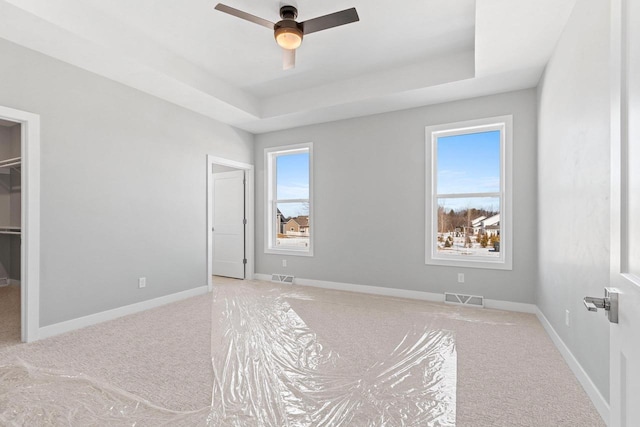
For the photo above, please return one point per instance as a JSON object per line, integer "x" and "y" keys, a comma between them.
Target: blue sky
{"x": 469, "y": 163}
{"x": 292, "y": 178}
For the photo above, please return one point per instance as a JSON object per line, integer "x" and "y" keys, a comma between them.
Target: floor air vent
{"x": 461, "y": 299}
{"x": 282, "y": 278}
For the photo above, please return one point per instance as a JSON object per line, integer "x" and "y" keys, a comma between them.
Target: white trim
{"x": 92, "y": 319}
{"x": 226, "y": 162}
{"x": 288, "y": 251}
{"x": 592, "y": 391}
{"x": 30, "y": 250}
{"x": 249, "y": 212}
{"x": 270, "y": 207}
{"x": 364, "y": 289}
{"x": 401, "y": 293}
{"x": 505, "y": 125}
{"x": 520, "y": 307}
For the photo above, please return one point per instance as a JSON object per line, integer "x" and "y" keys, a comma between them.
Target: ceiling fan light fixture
{"x": 288, "y": 36}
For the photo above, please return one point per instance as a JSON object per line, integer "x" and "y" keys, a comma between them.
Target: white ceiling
{"x": 424, "y": 52}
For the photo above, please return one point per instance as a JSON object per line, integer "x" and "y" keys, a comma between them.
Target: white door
{"x": 625, "y": 213}
{"x": 228, "y": 224}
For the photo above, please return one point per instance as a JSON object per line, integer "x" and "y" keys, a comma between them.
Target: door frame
{"x": 249, "y": 213}
{"x": 30, "y": 217}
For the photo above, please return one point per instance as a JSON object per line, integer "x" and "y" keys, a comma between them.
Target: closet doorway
{"x": 10, "y": 230}
{"x": 230, "y": 219}
{"x": 19, "y": 224}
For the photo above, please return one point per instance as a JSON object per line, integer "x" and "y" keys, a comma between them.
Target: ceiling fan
{"x": 288, "y": 32}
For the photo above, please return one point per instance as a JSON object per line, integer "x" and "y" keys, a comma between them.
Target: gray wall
{"x": 573, "y": 184}
{"x": 9, "y": 141}
{"x": 123, "y": 183}
{"x": 369, "y": 201}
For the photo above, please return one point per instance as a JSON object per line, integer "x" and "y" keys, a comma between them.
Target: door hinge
{"x": 244, "y": 221}
{"x": 244, "y": 261}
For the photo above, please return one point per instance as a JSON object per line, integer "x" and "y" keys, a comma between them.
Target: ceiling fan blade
{"x": 244, "y": 15}
{"x": 329, "y": 21}
{"x": 288, "y": 59}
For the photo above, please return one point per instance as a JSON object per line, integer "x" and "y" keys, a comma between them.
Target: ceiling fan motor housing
{"x": 288, "y": 33}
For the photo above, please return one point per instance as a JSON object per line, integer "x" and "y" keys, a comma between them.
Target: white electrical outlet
{"x": 460, "y": 277}
{"x": 284, "y": 262}
{"x": 142, "y": 282}
{"x": 567, "y": 318}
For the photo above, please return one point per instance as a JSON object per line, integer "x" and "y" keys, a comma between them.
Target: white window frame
{"x": 271, "y": 204}
{"x": 432, "y": 257}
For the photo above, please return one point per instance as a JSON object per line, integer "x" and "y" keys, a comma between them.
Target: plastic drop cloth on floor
{"x": 270, "y": 369}
{"x": 31, "y": 396}
{"x": 273, "y": 366}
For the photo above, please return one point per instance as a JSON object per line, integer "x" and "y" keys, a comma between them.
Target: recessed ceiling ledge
{"x": 458, "y": 66}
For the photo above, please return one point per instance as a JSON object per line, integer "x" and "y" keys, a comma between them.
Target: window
{"x": 289, "y": 200}
{"x": 469, "y": 194}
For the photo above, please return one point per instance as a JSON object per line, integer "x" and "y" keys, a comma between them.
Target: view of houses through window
{"x": 468, "y": 193}
{"x": 291, "y": 200}
{"x": 469, "y": 231}
{"x": 293, "y": 230}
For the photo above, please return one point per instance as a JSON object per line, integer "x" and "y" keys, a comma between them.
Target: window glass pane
{"x": 292, "y": 176}
{"x": 293, "y": 225}
{"x": 469, "y": 163}
{"x": 469, "y": 226}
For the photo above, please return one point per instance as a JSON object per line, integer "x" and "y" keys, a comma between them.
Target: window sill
{"x": 288, "y": 252}
{"x": 467, "y": 263}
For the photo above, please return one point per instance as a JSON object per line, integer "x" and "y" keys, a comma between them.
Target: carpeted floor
{"x": 508, "y": 371}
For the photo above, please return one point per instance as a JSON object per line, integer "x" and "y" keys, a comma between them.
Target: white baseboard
{"x": 592, "y": 391}
{"x": 92, "y": 319}
{"x": 401, "y": 293}
{"x": 520, "y": 307}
